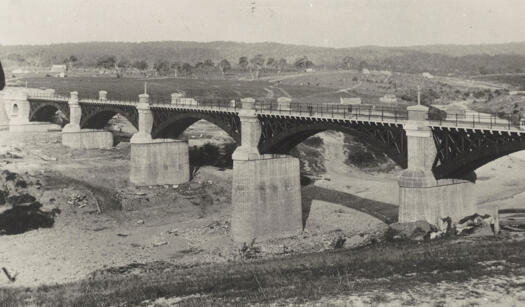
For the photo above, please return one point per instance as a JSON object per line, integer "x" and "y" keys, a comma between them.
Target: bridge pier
{"x": 266, "y": 190}
{"x": 75, "y": 137}
{"x": 156, "y": 161}
{"x": 421, "y": 195}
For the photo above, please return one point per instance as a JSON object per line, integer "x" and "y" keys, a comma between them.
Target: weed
{"x": 249, "y": 251}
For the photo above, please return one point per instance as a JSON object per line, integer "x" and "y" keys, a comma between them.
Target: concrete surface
{"x": 88, "y": 139}
{"x": 161, "y": 161}
{"x": 421, "y": 197}
{"x": 266, "y": 198}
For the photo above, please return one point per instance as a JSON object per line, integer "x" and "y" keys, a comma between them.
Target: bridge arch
{"x": 45, "y": 111}
{"x": 280, "y": 136}
{"x": 462, "y": 151}
{"x": 169, "y": 123}
{"x": 97, "y": 115}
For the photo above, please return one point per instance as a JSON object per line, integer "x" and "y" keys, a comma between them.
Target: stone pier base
{"x": 266, "y": 198}
{"x": 88, "y": 139}
{"x": 421, "y": 197}
{"x": 159, "y": 161}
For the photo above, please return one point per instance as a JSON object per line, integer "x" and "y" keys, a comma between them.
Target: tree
{"x": 124, "y": 63}
{"x": 348, "y": 61}
{"x": 281, "y": 65}
{"x": 140, "y": 65}
{"x": 199, "y": 65}
{"x": 107, "y": 62}
{"x": 162, "y": 67}
{"x": 70, "y": 61}
{"x": 269, "y": 62}
{"x": 186, "y": 69}
{"x": 208, "y": 64}
{"x": 257, "y": 62}
{"x": 243, "y": 62}
{"x": 224, "y": 66}
{"x": 362, "y": 65}
{"x": 309, "y": 64}
{"x": 303, "y": 63}
{"x": 176, "y": 68}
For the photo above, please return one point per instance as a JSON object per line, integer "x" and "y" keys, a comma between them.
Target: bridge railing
{"x": 109, "y": 101}
{"x": 357, "y": 112}
{"x": 480, "y": 121}
{"x": 48, "y": 96}
{"x": 211, "y": 103}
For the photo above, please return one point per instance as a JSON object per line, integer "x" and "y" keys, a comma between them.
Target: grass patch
{"x": 303, "y": 277}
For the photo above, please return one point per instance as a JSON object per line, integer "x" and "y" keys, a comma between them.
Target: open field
{"x": 161, "y": 89}
{"x": 514, "y": 81}
{"x": 376, "y": 84}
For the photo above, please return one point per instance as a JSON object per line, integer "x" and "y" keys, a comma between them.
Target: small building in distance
{"x": 310, "y": 70}
{"x": 365, "y": 71}
{"x": 179, "y": 98}
{"x": 59, "y": 70}
{"x": 350, "y": 100}
{"x": 427, "y": 75}
{"x": 388, "y": 98}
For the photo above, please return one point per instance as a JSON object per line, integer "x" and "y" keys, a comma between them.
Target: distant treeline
{"x": 181, "y": 57}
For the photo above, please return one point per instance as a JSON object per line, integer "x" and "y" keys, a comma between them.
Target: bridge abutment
{"x": 75, "y": 137}
{"x": 421, "y": 195}
{"x": 18, "y": 109}
{"x": 266, "y": 190}
{"x": 156, "y": 161}
{"x": 4, "y": 119}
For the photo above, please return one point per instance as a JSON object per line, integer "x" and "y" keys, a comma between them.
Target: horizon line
{"x": 259, "y": 42}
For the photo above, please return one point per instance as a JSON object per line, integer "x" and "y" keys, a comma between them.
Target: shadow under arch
{"x": 172, "y": 124}
{"x": 45, "y": 111}
{"x": 461, "y": 152}
{"x": 97, "y": 116}
{"x": 280, "y": 136}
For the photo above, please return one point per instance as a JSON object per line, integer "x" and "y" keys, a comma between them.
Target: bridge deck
{"x": 368, "y": 114}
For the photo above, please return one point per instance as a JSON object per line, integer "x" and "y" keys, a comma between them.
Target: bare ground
{"x": 189, "y": 224}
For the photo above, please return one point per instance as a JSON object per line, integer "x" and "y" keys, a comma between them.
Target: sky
{"x": 327, "y": 23}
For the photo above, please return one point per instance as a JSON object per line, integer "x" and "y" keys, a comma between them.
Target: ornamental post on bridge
{"x": 74, "y": 136}
{"x": 266, "y": 195}
{"x": 143, "y": 134}
{"x": 75, "y": 114}
{"x": 156, "y": 161}
{"x": 250, "y": 132}
{"x": 421, "y": 195}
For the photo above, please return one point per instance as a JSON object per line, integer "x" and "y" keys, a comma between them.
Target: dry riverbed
{"x": 106, "y": 222}
{"x": 103, "y": 224}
